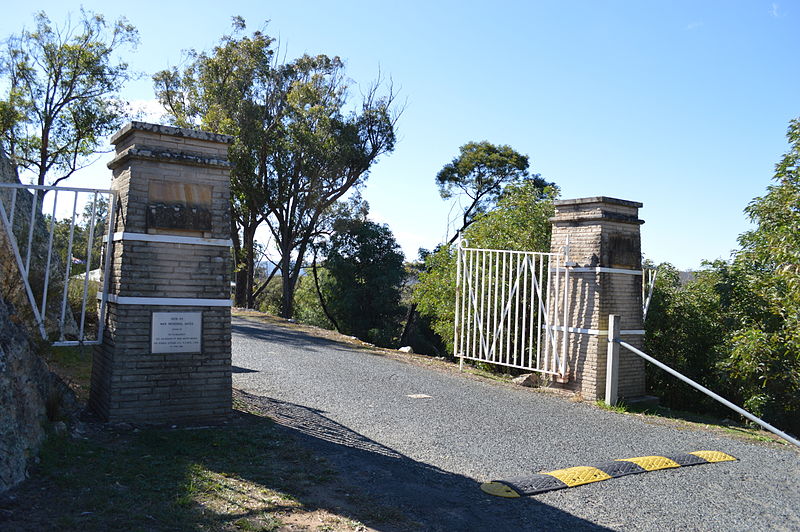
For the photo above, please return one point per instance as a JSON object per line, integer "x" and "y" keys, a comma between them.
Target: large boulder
{"x": 24, "y": 390}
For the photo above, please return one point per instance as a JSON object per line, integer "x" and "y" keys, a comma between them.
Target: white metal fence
{"x": 508, "y": 306}
{"x": 57, "y": 237}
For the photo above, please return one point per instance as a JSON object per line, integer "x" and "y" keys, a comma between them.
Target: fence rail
{"x": 45, "y": 250}
{"x": 613, "y": 376}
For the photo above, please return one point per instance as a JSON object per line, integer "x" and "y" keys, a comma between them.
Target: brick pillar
{"x": 605, "y": 277}
{"x": 166, "y": 351}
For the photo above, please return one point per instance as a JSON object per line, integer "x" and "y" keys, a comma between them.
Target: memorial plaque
{"x": 183, "y": 206}
{"x": 176, "y": 332}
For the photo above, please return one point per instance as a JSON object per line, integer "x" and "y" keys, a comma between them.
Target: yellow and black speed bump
{"x": 577, "y": 476}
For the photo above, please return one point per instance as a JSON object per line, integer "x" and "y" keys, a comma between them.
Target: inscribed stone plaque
{"x": 184, "y": 206}
{"x": 176, "y": 332}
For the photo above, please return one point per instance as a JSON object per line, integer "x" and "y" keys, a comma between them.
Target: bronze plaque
{"x": 182, "y": 206}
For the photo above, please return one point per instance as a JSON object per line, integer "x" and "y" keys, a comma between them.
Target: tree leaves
{"x": 63, "y": 96}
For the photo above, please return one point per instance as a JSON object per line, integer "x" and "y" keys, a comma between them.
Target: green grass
{"x": 620, "y": 408}
{"x": 245, "y": 476}
{"x": 73, "y": 364}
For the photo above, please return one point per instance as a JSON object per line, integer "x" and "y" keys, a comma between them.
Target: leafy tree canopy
{"x": 298, "y": 148}
{"x": 736, "y": 326}
{"x": 365, "y": 272}
{"x": 62, "y": 93}
{"x": 479, "y": 173}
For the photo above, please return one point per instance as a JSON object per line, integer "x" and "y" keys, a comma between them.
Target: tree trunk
{"x": 319, "y": 294}
{"x": 287, "y": 296}
{"x": 239, "y": 276}
{"x": 407, "y": 328}
{"x": 249, "y": 243}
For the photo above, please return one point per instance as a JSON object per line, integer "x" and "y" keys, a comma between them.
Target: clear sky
{"x": 681, "y": 105}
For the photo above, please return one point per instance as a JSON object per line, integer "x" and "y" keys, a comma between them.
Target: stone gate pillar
{"x": 166, "y": 351}
{"x": 605, "y": 277}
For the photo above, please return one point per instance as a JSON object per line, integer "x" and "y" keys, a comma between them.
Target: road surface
{"x": 421, "y": 439}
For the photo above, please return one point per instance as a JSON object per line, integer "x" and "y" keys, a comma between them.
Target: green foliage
{"x": 63, "y": 93}
{"x": 519, "y": 221}
{"x": 307, "y": 306}
{"x": 765, "y": 351}
{"x": 480, "y": 172}
{"x": 736, "y": 327}
{"x": 298, "y": 148}
{"x": 364, "y": 276}
{"x": 435, "y": 293}
{"x": 685, "y": 331}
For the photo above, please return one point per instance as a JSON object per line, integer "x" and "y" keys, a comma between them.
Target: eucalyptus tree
{"x": 62, "y": 87}
{"x": 480, "y": 172}
{"x": 297, "y": 148}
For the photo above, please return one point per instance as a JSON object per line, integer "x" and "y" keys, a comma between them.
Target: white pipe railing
{"x": 18, "y": 233}
{"x": 613, "y": 338}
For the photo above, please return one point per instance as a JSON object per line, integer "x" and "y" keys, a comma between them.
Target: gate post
{"x": 602, "y": 238}
{"x": 165, "y": 355}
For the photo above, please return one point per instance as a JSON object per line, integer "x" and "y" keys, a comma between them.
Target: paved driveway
{"x": 422, "y": 439}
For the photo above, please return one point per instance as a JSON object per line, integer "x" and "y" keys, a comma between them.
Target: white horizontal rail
{"x": 167, "y": 301}
{"x": 594, "y": 332}
{"x": 170, "y": 239}
{"x": 513, "y": 252}
{"x": 711, "y": 394}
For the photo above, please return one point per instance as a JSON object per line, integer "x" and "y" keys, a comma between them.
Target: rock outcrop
{"x": 24, "y": 392}
{"x": 30, "y": 395}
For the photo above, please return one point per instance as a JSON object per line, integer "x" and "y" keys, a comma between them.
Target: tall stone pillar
{"x": 602, "y": 239}
{"x": 166, "y": 351}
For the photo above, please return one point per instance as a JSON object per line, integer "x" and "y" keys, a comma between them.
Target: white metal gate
{"x": 509, "y": 305}
{"x": 51, "y": 266}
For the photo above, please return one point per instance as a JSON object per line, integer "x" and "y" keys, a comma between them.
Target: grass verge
{"x": 245, "y": 475}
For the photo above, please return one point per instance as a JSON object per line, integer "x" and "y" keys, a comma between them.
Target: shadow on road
{"x": 425, "y": 497}
{"x": 237, "y": 369}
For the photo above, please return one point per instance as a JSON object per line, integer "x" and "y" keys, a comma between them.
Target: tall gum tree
{"x": 297, "y": 150}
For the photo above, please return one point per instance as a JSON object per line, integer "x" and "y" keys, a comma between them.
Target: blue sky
{"x": 681, "y": 105}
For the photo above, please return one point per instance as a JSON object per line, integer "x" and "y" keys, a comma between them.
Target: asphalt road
{"x": 422, "y": 439}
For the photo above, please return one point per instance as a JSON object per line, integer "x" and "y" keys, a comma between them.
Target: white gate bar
{"x": 520, "y": 262}
{"x": 539, "y": 314}
{"x": 101, "y": 316}
{"x": 709, "y": 393}
{"x": 31, "y": 223}
{"x": 89, "y": 246}
{"x": 563, "y": 357}
{"x": 13, "y": 241}
{"x": 49, "y": 255}
{"x": 457, "y": 320}
{"x": 68, "y": 269}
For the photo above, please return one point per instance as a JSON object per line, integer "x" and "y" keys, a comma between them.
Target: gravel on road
{"x": 423, "y": 439}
